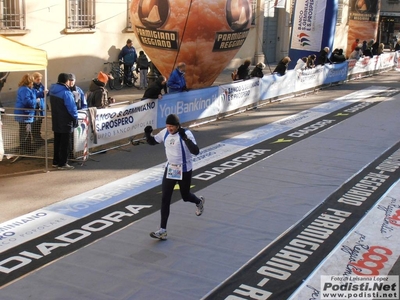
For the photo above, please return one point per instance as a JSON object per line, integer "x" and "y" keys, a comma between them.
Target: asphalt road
{"x": 26, "y": 191}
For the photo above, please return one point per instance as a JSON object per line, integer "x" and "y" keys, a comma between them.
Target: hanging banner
{"x": 363, "y": 21}
{"x": 308, "y": 25}
{"x": 314, "y": 25}
{"x": 204, "y": 34}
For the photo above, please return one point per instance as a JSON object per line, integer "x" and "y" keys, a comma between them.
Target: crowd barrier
{"x": 104, "y": 129}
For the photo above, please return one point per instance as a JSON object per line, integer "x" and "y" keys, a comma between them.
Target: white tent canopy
{"x": 15, "y": 56}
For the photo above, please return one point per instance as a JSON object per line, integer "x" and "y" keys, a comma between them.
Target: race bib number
{"x": 174, "y": 172}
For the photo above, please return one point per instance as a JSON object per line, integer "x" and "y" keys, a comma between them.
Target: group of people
{"x": 66, "y": 98}
{"x": 366, "y": 49}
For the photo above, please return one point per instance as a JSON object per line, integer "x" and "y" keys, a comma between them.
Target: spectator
{"x": 179, "y": 145}
{"x": 301, "y": 64}
{"x": 154, "y": 90}
{"x": 41, "y": 92}
{"x": 79, "y": 95}
{"x": 393, "y": 44}
{"x": 25, "y": 113}
{"x": 368, "y": 50}
{"x": 258, "y": 70}
{"x": 311, "y": 61}
{"x": 397, "y": 46}
{"x": 282, "y": 66}
{"x": 374, "y": 48}
{"x": 364, "y": 46}
{"x": 356, "y": 54}
{"x": 98, "y": 94}
{"x": 143, "y": 67}
{"x": 177, "y": 81}
{"x": 64, "y": 117}
{"x": 381, "y": 48}
{"x": 323, "y": 57}
{"x": 338, "y": 56}
{"x": 243, "y": 70}
{"x": 355, "y": 44}
{"x": 128, "y": 57}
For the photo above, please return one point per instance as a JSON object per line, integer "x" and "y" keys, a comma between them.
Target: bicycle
{"x": 116, "y": 75}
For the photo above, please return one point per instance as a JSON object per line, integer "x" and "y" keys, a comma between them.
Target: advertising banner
{"x": 335, "y": 72}
{"x": 314, "y": 25}
{"x": 273, "y": 86}
{"x": 308, "y": 25}
{"x": 370, "y": 249}
{"x": 113, "y": 124}
{"x": 204, "y": 34}
{"x": 238, "y": 94}
{"x": 310, "y": 78}
{"x": 363, "y": 21}
{"x": 189, "y": 106}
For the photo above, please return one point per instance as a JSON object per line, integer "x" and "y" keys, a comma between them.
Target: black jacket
{"x": 280, "y": 68}
{"x": 154, "y": 89}
{"x": 257, "y": 72}
{"x": 243, "y": 72}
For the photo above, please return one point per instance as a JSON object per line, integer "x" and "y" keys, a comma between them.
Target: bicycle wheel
{"x": 117, "y": 82}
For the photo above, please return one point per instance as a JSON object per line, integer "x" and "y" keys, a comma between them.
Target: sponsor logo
{"x": 304, "y": 39}
{"x": 37, "y": 252}
{"x": 356, "y": 287}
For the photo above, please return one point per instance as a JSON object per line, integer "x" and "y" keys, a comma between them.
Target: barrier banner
{"x": 335, "y": 72}
{"x": 310, "y": 78}
{"x": 386, "y": 60}
{"x": 189, "y": 106}
{"x": 113, "y": 124}
{"x": 273, "y": 86}
{"x": 397, "y": 61}
{"x": 238, "y": 94}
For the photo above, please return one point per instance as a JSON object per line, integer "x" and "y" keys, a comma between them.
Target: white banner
{"x": 370, "y": 249}
{"x": 239, "y": 94}
{"x": 113, "y": 124}
{"x": 308, "y": 25}
{"x": 310, "y": 78}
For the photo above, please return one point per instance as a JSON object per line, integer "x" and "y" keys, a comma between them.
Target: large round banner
{"x": 204, "y": 34}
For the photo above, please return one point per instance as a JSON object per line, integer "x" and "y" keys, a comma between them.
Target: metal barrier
{"x": 26, "y": 139}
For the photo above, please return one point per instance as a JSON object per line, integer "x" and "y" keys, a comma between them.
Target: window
{"x": 81, "y": 15}
{"x": 12, "y": 15}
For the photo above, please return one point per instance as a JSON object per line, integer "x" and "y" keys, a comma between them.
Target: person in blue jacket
{"x": 64, "y": 117}
{"x": 177, "y": 81}
{"x": 78, "y": 93}
{"x": 41, "y": 92}
{"x": 25, "y": 113}
{"x": 128, "y": 57}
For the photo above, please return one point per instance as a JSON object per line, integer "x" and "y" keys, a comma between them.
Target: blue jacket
{"x": 64, "y": 113}
{"x": 176, "y": 82}
{"x": 79, "y": 96}
{"x": 39, "y": 90}
{"x": 25, "y": 105}
{"x": 128, "y": 55}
